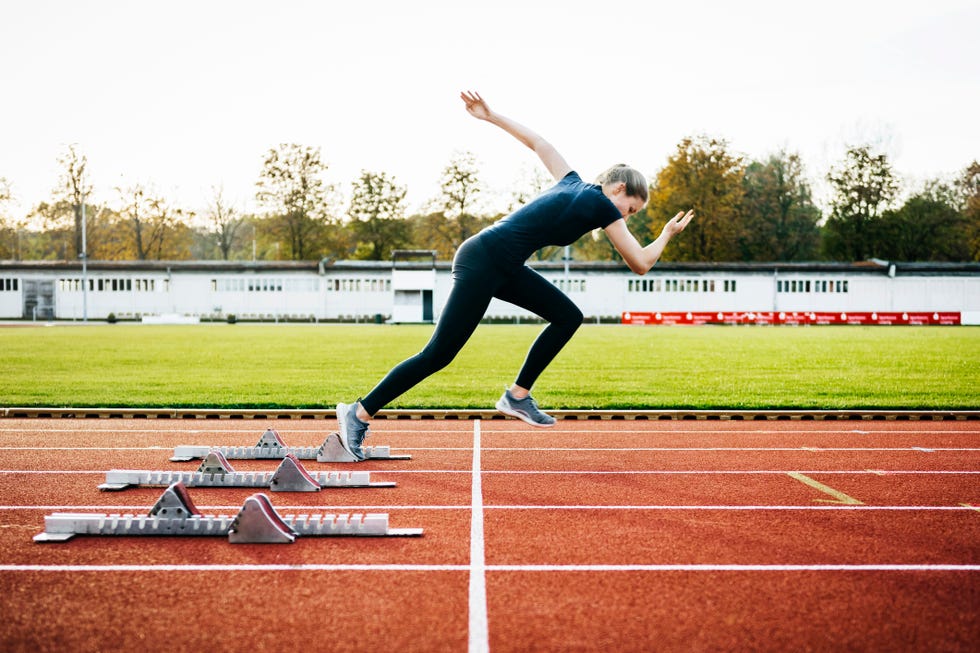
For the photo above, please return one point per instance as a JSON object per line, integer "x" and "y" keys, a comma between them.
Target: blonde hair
{"x": 636, "y": 183}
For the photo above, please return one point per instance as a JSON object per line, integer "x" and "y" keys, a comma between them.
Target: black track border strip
{"x": 472, "y": 414}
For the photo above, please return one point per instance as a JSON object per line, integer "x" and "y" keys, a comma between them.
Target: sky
{"x": 187, "y": 96}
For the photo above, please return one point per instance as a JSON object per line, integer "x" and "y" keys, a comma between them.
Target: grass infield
{"x": 604, "y": 367}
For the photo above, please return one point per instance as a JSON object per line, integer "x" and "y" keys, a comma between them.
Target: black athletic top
{"x": 560, "y": 216}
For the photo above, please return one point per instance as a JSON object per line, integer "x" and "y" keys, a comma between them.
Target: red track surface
{"x": 614, "y": 536}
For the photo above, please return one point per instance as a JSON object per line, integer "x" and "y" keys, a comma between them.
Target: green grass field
{"x": 605, "y": 367}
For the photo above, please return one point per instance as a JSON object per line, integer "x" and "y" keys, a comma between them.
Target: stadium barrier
{"x": 796, "y": 318}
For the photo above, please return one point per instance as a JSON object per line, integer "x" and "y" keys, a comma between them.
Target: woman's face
{"x": 627, "y": 204}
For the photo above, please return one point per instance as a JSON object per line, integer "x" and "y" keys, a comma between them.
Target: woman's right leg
{"x": 475, "y": 279}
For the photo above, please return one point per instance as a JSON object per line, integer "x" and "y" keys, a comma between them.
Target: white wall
{"x": 363, "y": 293}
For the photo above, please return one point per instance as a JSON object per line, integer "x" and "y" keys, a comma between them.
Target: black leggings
{"x": 478, "y": 278}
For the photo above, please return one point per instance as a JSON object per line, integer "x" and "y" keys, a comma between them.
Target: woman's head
{"x": 626, "y": 187}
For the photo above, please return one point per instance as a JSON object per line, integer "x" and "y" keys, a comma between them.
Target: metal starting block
{"x": 215, "y": 471}
{"x": 271, "y": 446}
{"x": 257, "y": 522}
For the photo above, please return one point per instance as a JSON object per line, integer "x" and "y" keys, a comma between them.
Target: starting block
{"x": 215, "y": 471}
{"x": 271, "y": 446}
{"x": 257, "y": 522}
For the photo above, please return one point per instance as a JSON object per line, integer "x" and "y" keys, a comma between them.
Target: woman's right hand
{"x": 676, "y": 224}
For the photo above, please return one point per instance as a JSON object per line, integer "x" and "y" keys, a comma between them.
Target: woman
{"x": 492, "y": 264}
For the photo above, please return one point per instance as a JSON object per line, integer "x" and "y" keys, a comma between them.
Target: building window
{"x": 570, "y": 285}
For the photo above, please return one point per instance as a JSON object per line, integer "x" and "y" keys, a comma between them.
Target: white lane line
{"x": 249, "y": 429}
{"x": 50, "y": 471}
{"x": 737, "y": 567}
{"x": 808, "y": 449}
{"x": 658, "y": 472}
{"x": 307, "y": 507}
{"x": 500, "y": 568}
{"x": 957, "y": 508}
{"x": 708, "y": 472}
{"x": 159, "y": 448}
{"x": 728, "y": 449}
{"x": 479, "y": 635}
{"x": 236, "y": 567}
{"x": 962, "y": 507}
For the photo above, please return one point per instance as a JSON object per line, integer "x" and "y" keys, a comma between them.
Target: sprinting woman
{"x": 492, "y": 264}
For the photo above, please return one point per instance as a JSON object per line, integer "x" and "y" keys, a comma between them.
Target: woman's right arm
{"x": 639, "y": 258}
{"x": 550, "y": 157}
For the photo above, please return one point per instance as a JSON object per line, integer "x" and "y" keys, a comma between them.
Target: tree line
{"x": 747, "y": 210}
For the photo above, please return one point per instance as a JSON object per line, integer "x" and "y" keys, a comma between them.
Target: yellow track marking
{"x": 839, "y": 497}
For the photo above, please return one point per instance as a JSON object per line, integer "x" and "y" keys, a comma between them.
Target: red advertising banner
{"x": 873, "y": 318}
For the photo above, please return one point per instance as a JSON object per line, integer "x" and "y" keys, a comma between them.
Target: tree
{"x": 223, "y": 222}
{"x": 153, "y": 227}
{"x": 134, "y": 217}
{"x": 701, "y": 175}
{"x": 454, "y": 218}
{"x": 377, "y": 210}
{"x": 530, "y": 183}
{"x": 105, "y": 232}
{"x": 864, "y": 186}
{"x": 54, "y": 240}
{"x": 968, "y": 186}
{"x": 780, "y": 220}
{"x": 8, "y": 231}
{"x": 926, "y": 228}
{"x": 431, "y": 231}
{"x": 73, "y": 188}
{"x": 291, "y": 184}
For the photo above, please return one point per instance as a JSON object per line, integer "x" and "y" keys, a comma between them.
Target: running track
{"x": 592, "y": 536}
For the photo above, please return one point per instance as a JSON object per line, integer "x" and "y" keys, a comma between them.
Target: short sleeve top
{"x": 559, "y": 216}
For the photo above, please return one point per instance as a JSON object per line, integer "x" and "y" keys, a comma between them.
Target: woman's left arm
{"x": 550, "y": 157}
{"x": 640, "y": 259}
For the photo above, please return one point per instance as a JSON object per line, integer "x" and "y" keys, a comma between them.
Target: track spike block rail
{"x": 174, "y": 514}
{"x": 271, "y": 446}
{"x": 290, "y": 476}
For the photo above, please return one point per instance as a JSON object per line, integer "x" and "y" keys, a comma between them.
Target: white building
{"x": 416, "y": 290}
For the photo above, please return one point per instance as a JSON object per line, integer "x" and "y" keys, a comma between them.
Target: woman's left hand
{"x": 475, "y": 105}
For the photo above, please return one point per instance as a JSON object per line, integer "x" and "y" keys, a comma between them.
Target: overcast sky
{"x": 184, "y": 96}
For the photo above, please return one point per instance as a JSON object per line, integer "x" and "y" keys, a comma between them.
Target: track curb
{"x": 472, "y": 414}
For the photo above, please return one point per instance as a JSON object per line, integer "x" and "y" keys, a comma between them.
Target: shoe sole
{"x": 342, "y": 427}
{"x": 524, "y": 417}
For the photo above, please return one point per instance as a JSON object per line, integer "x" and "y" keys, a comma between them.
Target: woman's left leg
{"x": 531, "y": 291}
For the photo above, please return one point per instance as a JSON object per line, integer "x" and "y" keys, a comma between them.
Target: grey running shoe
{"x": 524, "y": 409}
{"x": 352, "y": 430}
